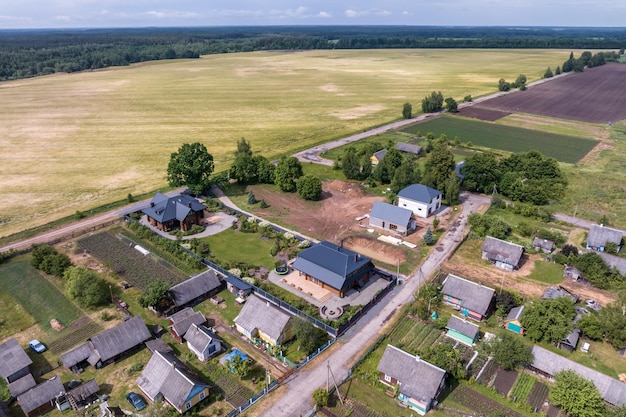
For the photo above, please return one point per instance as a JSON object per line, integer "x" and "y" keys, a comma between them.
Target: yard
{"x": 232, "y": 247}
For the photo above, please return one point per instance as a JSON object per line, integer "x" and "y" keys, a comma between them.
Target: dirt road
{"x": 296, "y": 399}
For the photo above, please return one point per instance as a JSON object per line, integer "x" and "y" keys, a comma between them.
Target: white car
{"x": 37, "y": 346}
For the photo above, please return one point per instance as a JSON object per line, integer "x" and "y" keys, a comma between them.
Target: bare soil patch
{"x": 504, "y": 381}
{"x": 482, "y": 113}
{"x": 375, "y": 249}
{"x": 593, "y": 96}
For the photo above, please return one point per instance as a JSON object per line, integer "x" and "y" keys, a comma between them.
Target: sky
{"x": 25, "y": 14}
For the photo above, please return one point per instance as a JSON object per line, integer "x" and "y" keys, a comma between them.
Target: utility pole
{"x": 335, "y": 384}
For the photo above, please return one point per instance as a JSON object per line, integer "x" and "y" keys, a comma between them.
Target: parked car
{"x": 37, "y": 346}
{"x": 74, "y": 383}
{"x": 136, "y": 401}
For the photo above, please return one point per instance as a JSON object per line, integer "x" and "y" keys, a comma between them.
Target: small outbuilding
{"x": 462, "y": 330}
{"x": 391, "y": 218}
{"x": 513, "y": 320}
{"x": 543, "y": 245}
{"x": 377, "y": 157}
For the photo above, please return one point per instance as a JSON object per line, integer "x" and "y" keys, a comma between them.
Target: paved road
{"x": 296, "y": 400}
{"x": 574, "y": 221}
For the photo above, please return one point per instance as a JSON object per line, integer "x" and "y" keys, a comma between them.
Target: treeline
{"x": 30, "y": 53}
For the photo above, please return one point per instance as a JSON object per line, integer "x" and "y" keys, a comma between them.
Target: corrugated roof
{"x": 120, "y": 338}
{"x": 12, "y": 358}
{"x": 600, "y": 235}
{"x": 84, "y": 391}
{"x": 78, "y": 354}
{"x": 408, "y": 148}
{"x": 260, "y": 314}
{"x": 390, "y": 213}
{"x": 194, "y": 287}
{"x": 419, "y": 192}
{"x": 163, "y": 208}
{"x": 473, "y": 296}
{"x": 380, "y": 154}
{"x": 515, "y": 313}
{"x": 181, "y": 327}
{"x": 463, "y": 326}
{"x": 614, "y": 262}
{"x": 330, "y": 263}
{"x": 502, "y": 251}
{"x": 612, "y": 390}
{"x": 41, "y": 394}
{"x": 418, "y": 379}
{"x": 181, "y": 315}
{"x": 543, "y": 243}
{"x": 22, "y": 385}
{"x": 200, "y": 337}
{"x": 556, "y": 292}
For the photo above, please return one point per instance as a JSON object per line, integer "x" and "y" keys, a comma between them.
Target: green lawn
{"x": 567, "y": 149}
{"x": 13, "y": 316}
{"x": 41, "y": 299}
{"x": 233, "y": 246}
{"x": 547, "y": 272}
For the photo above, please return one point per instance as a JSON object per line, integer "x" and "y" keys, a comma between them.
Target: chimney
{"x": 189, "y": 204}
{"x": 356, "y": 257}
{"x": 152, "y": 204}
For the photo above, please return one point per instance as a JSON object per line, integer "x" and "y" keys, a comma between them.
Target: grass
{"x": 547, "y": 272}
{"x": 228, "y": 310}
{"x": 104, "y": 134}
{"x": 13, "y": 316}
{"x": 40, "y": 298}
{"x": 229, "y": 245}
{"x": 563, "y": 148}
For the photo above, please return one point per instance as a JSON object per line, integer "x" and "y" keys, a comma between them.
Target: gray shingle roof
{"x": 41, "y": 394}
{"x": 194, "y": 287}
{"x": 84, "y": 391}
{"x": 502, "y": 251}
{"x": 473, "y": 296}
{"x": 22, "y": 385}
{"x": 120, "y": 338}
{"x": 515, "y": 313}
{"x": 419, "y": 192}
{"x": 380, "y": 154}
{"x": 418, "y": 378}
{"x": 543, "y": 243}
{"x": 181, "y": 327}
{"x": 408, "y": 148}
{"x": 264, "y": 316}
{"x": 167, "y": 375}
{"x": 12, "y": 358}
{"x": 181, "y": 315}
{"x": 200, "y": 337}
{"x": 463, "y": 326}
{"x": 76, "y": 355}
{"x": 158, "y": 344}
{"x": 390, "y": 213}
{"x": 330, "y": 263}
{"x": 612, "y": 390}
{"x": 163, "y": 208}
{"x": 600, "y": 235}
{"x": 572, "y": 338}
{"x": 614, "y": 262}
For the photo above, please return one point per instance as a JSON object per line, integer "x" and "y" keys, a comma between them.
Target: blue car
{"x": 136, "y": 401}
{"x": 37, "y": 346}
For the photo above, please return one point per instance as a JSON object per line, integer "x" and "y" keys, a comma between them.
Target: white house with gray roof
{"x": 165, "y": 377}
{"x": 419, "y": 382}
{"x": 420, "y": 199}
{"x": 599, "y": 235}
{"x": 503, "y": 254}
{"x": 473, "y": 300}
{"x": 391, "y": 218}
{"x": 548, "y": 364}
{"x": 203, "y": 342}
{"x": 262, "y": 319}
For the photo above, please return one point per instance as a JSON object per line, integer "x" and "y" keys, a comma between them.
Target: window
{"x": 187, "y": 406}
{"x": 202, "y": 396}
{"x": 393, "y": 226}
{"x": 387, "y": 378}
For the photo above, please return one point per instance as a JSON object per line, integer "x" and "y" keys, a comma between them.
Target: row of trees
{"x": 520, "y": 82}
{"x": 433, "y": 103}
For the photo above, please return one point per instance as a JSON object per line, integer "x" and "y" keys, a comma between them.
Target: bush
{"x": 263, "y": 204}
{"x": 304, "y": 244}
{"x": 235, "y": 271}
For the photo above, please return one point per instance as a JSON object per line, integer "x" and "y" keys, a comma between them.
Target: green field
{"x": 38, "y": 297}
{"x": 229, "y": 245}
{"x": 563, "y": 148}
{"x": 76, "y": 141}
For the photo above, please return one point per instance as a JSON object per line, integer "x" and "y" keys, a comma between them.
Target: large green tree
{"x": 406, "y": 174}
{"x": 510, "y": 351}
{"x": 264, "y": 170}
{"x": 386, "y": 169}
{"x": 240, "y": 366}
{"x": 438, "y": 166}
{"x": 307, "y": 336}
{"x": 432, "y": 103}
{"x": 446, "y": 357}
{"x": 85, "y": 287}
{"x": 548, "y": 320}
{"x": 576, "y": 396}
{"x": 155, "y": 295}
{"x": 191, "y": 166}
{"x": 407, "y": 110}
{"x": 350, "y": 164}
{"x": 309, "y": 187}
{"x": 481, "y": 172}
{"x": 288, "y": 170}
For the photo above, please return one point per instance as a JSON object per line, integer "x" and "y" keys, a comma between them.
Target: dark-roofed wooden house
{"x": 419, "y": 382}
{"x": 570, "y": 342}
{"x": 203, "y": 342}
{"x": 179, "y": 212}
{"x": 76, "y": 359}
{"x": 547, "y": 363}
{"x": 409, "y": 148}
{"x": 599, "y": 235}
{"x": 84, "y": 393}
{"x": 513, "y": 320}
{"x": 195, "y": 289}
{"x": 420, "y": 199}
{"x": 333, "y": 267}
{"x": 167, "y": 378}
{"x": 41, "y": 398}
{"x": 110, "y": 344}
{"x": 391, "y": 218}
{"x": 462, "y": 330}
{"x": 543, "y": 245}
{"x": 14, "y": 361}
{"x": 181, "y": 321}
{"x": 503, "y": 254}
{"x": 22, "y": 385}
{"x": 264, "y": 320}
{"x": 471, "y": 299}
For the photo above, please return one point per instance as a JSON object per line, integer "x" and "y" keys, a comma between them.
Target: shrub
{"x": 304, "y": 244}
{"x": 235, "y": 271}
{"x": 263, "y": 204}
{"x": 289, "y": 237}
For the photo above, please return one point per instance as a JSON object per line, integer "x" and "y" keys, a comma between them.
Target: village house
{"x": 614, "y": 262}
{"x": 264, "y": 320}
{"x": 409, "y": 148}
{"x": 203, "y": 342}
{"x": 14, "y": 367}
{"x": 570, "y": 342}
{"x": 513, "y": 320}
{"x": 391, "y": 218}
{"x": 599, "y": 235}
{"x": 462, "y": 330}
{"x": 333, "y": 267}
{"x": 41, "y": 398}
{"x": 166, "y": 378}
{"x": 181, "y": 321}
{"x": 418, "y": 382}
{"x": 179, "y": 212}
{"x": 377, "y": 157}
{"x": 547, "y": 363}
{"x": 503, "y": 254}
{"x": 471, "y": 299}
{"x": 543, "y": 245}
{"x": 420, "y": 199}
{"x": 195, "y": 289}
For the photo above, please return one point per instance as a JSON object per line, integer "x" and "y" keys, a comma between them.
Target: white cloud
{"x": 171, "y": 14}
{"x": 301, "y": 12}
{"x": 370, "y": 12}
{"x": 62, "y": 18}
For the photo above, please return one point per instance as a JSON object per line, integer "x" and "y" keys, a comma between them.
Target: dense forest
{"x": 29, "y": 53}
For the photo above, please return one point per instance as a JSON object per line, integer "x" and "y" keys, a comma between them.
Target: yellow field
{"x": 75, "y": 141}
